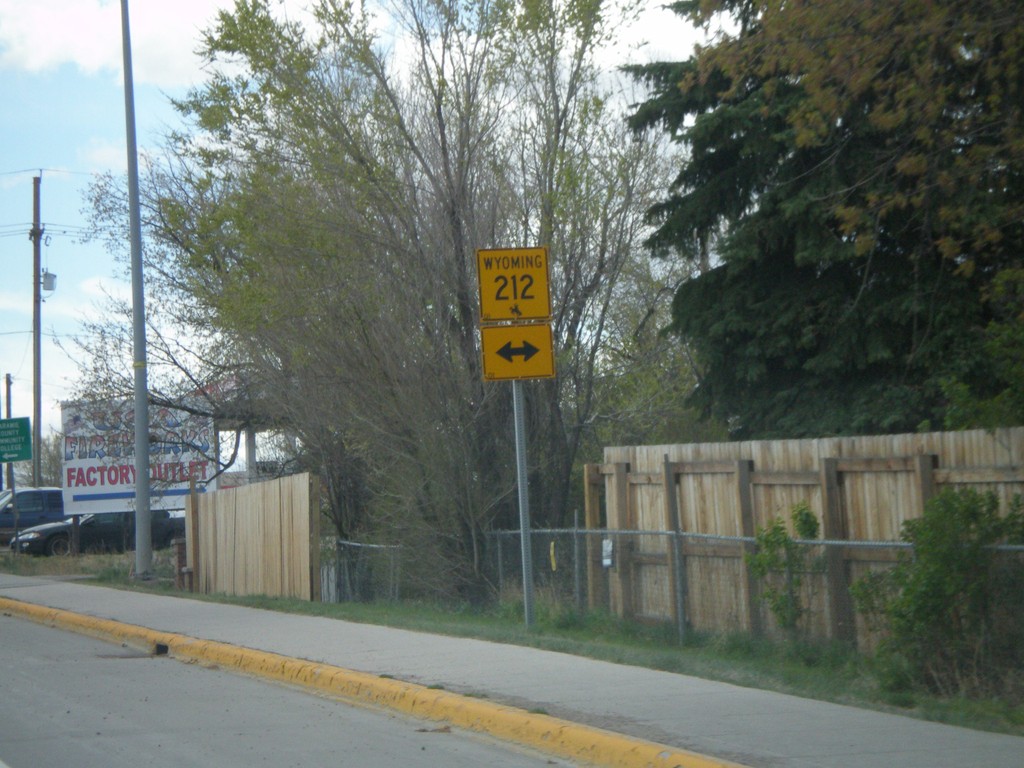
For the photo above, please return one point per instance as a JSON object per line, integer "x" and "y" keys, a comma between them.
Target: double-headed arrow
{"x": 526, "y": 351}
{"x": 520, "y": 351}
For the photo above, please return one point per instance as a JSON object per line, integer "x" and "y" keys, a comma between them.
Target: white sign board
{"x": 99, "y": 456}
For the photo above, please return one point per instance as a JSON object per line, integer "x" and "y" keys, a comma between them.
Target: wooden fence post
{"x": 619, "y": 518}
{"x": 313, "y": 510}
{"x": 924, "y": 470}
{"x": 207, "y": 515}
{"x": 676, "y": 561}
{"x": 842, "y": 624}
{"x": 746, "y": 502}
{"x": 192, "y": 560}
{"x": 597, "y": 589}
{"x": 76, "y": 535}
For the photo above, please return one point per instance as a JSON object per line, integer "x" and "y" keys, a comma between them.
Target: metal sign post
{"x": 524, "y": 501}
{"x": 514, "y": 294}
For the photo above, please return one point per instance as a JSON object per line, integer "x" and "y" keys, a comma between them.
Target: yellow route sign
{"x": 513, "y": 284}
{"x": 517, "y": 351}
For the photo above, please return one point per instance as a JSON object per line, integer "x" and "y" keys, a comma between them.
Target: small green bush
{"x": 780, "y": 562}
{"x": 953, "y": 610}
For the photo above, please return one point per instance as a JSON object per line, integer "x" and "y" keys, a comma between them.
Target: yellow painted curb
{"x": 542, "y": 732}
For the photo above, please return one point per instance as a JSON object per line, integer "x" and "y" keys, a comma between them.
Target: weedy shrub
{"x": 952, "y": 612}
{"x": 781, "y": 563}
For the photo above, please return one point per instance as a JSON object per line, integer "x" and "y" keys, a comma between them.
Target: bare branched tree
{"x": 314, "y": 232}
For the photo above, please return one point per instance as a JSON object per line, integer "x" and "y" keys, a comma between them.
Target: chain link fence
{"x": 559, "y": 563}
{"x": 355, "y": 572}
{"x": 698, "y": 582}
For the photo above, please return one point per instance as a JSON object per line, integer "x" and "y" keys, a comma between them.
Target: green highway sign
{"x": 15, "y": 440}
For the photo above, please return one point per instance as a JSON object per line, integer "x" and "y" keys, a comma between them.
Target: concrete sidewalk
{"x": 725, "y": 722}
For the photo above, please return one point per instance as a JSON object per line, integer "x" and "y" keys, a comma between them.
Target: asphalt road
{"x": 69, "y": 700}
{"x": 495, "y": 688}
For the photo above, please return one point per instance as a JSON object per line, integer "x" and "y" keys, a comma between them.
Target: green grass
{"x": 113, "y": 568}
{"x": 818, "y": 671}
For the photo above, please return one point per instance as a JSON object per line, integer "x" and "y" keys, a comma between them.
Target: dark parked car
{"x": 106, "y": 532}
{"x": 35, "y": 507}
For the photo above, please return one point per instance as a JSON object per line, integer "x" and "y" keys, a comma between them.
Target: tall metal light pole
{"x": 143, "y": 527}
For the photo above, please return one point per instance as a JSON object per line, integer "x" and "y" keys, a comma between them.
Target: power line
{"x": 39, "y": 171}
{"x": 49, "y": 230}
{"x": 51, "y": 334}
{"x": 45, "y": 224}
{"x": 23, "y": 170}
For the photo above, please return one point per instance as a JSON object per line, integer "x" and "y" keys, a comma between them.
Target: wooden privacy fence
{"x": 716, "y": 496}
{"x": 260, "y": 539}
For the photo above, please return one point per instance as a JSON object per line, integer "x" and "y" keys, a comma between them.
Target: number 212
{"x": 520, "y": 288}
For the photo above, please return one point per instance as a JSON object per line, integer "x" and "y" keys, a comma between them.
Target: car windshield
{"x": 5, "y": 497}
{"x": 81, "y": 518}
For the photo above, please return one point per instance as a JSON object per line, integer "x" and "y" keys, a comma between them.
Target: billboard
{"x": 99, "y": 456}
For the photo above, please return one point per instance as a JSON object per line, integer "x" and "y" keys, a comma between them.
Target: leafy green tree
{"x": 320, "y": 212}
{"x": 855, "y": 183}
{"x": 51, "y": 464}
{"x": 1000, "y": 400}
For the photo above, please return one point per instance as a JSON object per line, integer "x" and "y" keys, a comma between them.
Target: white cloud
{"x": 45, "y": 34}
{"x": 659, "y": 34}
{"x": 99, "y": 289}
{"x": 100, "y": 156}
{"x": 17, "y": 301}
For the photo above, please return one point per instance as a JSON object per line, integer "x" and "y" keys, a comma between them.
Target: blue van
{"x": 35, "y": 507}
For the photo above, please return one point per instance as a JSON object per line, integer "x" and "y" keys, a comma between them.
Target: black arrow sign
{"x": 527, "y": 351}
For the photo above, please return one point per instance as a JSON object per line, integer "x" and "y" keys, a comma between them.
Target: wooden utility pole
{"x": 37, "y": 409}
{"x": 10, "y": 465}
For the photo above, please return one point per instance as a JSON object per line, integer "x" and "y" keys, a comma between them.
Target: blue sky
{"x": 63, "y": 118}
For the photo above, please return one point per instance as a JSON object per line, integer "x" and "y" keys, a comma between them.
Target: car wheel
{"x": 59, "y": 546}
